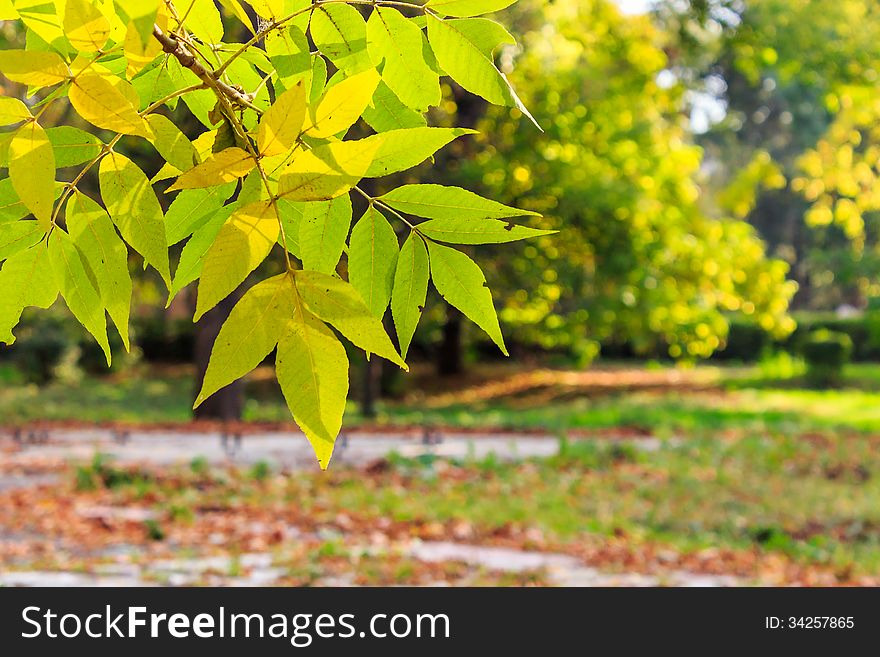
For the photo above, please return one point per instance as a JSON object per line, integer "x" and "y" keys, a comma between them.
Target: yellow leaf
{"x": 312, "y": 369}
{"x": 108, "y": 103}
{"x": 342, "y": 105}
{"x": 268, "y": 8}
{"x": 134, "y": 208}
{"x": 12, "y": 110}
{"x": 86, "y": 27}
{"x": 235, "y": 8}
{"x": 137, "y": 52}
{"x": 7, "y": 11}
{"x": 40, "y": 69}
{"x": 202, "y": 19}
{"x": 242, "y": 244}
{"x": 250, "y": 333}
{"x": 281, "y": 124}
{"x": 171, "y": 143}
{"x": 43, "y": 18}
{"x": 223, "y": 167}
{"x": 32, "y": 170}
{"x": 327, "y": 171}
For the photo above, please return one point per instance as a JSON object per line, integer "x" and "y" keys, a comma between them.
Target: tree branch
{"x": 180, "y": 52}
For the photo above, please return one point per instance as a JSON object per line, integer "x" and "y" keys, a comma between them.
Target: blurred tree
{"x": 642, "y": 259}
{"x": 787, "y": 74}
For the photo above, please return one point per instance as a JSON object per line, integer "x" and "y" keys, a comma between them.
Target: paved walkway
{"x": 287, "y": 450}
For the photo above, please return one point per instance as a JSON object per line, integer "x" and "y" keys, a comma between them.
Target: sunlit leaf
{"x": 323, "y": 229}
{"x": 223, "y": 167}
{"x": 372, "y": 260}
{"x": 105, "y": 255}
{"x": 342, "y": 105}
{"x": 339, "y": 304}
{"x": 312, "y": 369}
{"x": 32, "y": 170}
{"x": 242, "y": 244}
{"x": 135, "y": 210}
{"x": 460, "y": 230}
{"x": 80, "y": 295}
{"x": 462, "y": 284}
{"x": 109, "y": 104}
{"x": 27, "y": 280}
{"x": 400, "y": 44}
{"x": 439, "y": 202}
{"x": 410, "y": 289}
{"x": 250, "y": 333}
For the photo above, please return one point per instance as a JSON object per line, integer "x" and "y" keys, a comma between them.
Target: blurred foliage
{"x": 826, "y": 353}
{"x": 639, "y": 257}
{"x": 797, "y": 79}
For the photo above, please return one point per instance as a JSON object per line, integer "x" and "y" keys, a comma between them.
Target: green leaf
{"x": 26, "y": 280}
{"x": 249, "y": 334}
{"x": 322, "y": 232}
{"x": 171, "y": 143}
{"x": 312, "y": 369}
{"x": 135, "y": 210}
{"x": 80, "y": 295}
{"x": 32, "y": 170}
{"x": 17, "y": 236}
{"x": 464, "y": 50}
{"x": 459, "y": 230}
{"x": 439, "y": 202}
{"x": 192, "y": 208}
{"x": 243, "y": 243}
{"x": 340, "y": 34}
{"x": 105, "y": 255}
{"x": 397, "y": 41}
{"x": 291, "y": 215}
{"x": 467, "y": 8}
{"x": 339, "y": 304}
{"x": 11, "y": 207}
{"x": 462, "y": 284}
{"x": 410, "y": 289}
{"x": 192, "y": 257}
{"x": 12, "y": 110}
{"x": 399, "y": 150}
{"x": 288, "y": 49}
{"x": 153, "y": 83}
{"x": 203, "y": 19}
{"x": 73, "y": 146}
{"x": 387, "y": 112}
{"x": 372, "y": 259}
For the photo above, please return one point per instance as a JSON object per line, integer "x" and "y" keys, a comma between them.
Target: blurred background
{"x": 693, "y": 396}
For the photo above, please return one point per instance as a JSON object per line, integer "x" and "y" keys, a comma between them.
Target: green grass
{"x": 817, "y": 505}
{"x": 756, "y": 399}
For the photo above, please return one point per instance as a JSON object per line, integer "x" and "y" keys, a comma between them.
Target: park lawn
{"x": 767, "y": 507}
{"x": 751, "y": 464}
{"x": 737, "y": 399}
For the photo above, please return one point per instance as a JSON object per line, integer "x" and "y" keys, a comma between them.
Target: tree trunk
{"x": 370, "y": 392}
{"x": 227, "y": 403}
{"x": 450, "y": 357}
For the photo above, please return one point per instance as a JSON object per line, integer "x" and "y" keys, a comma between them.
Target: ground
{"x": 525, "y": 476}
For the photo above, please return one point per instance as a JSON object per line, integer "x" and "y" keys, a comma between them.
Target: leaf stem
{"x": 375, "y": 201}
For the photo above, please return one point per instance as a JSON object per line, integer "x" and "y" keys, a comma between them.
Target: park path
{"x": 282, "y": 450}
{"x": 290, "y": 451}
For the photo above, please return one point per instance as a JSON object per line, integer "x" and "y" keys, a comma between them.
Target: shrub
{"x": 826, "y": 352}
